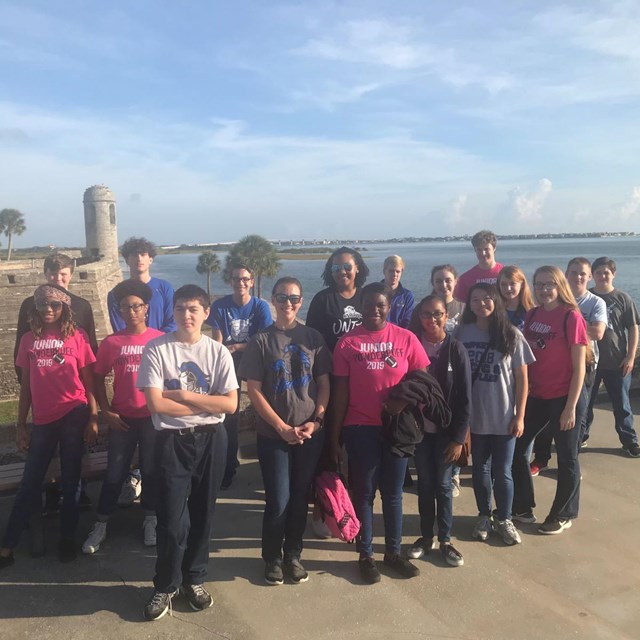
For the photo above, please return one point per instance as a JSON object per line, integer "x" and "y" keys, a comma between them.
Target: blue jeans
{"x": 540, "y": 414}
{"x": 371, "y": 465}
{"x": 122, "y": 445}
{"x": 68, "y": 431}
{"x": 287, "y": 472}
{"x": 617, "y": 387}
{"x": 434, "y": 486}
{"x": 189, "y": 469}
{"x": 492, "y": 457}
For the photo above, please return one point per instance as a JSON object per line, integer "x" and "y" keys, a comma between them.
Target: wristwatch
{"x": 320, "y": 421}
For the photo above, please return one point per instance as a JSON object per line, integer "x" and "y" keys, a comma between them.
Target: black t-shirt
{"x": 333, "y": 316}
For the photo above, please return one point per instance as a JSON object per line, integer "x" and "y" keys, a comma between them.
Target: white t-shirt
{"x": 593, "y": 309}
{"x": 204, "y": 367}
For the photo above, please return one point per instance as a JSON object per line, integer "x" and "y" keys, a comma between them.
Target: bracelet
{"x": 319, "y": 420}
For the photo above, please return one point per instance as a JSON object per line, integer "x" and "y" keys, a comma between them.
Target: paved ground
{"x": 584, "y": 583}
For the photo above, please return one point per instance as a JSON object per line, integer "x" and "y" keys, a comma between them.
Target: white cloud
{"x": 629, "y": 209}
{"x": 524, "y": 204}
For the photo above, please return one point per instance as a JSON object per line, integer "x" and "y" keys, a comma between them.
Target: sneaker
{"x": 451, "y": 554}
{"x": 421, "y": 547}
{"x": 158, "y": 605}
{"x": 368, "y": 570}
{"x": 584, "y": 444}
{"x": 536, "y": 467}
{"x": 273, "y": 572}
{"x": 553, "y": 526}
{"x": 67, "y": 550}
{"x": 482, "y": 529}
{"x": 197, "y": 596}
{"x": 6, "y": 561}
{"x": 95, "y": 538}
{"x": 295, "y": 571}
{"x": 633, "y": 450}
{"x": 320, "y": 529}
{"x": 507, "y": 530}
{"x": 149, "y": 530}
{"x": 401, "y": 565}
{"x": 131, "y": 490}
{"x": 455, "y": 486}
{"x": 526, "y": 517}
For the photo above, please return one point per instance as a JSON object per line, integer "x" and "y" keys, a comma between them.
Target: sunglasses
{"x": 283, "y": 297}
{"x": 54, "y": 306}
{"x": 428, "y": 315}
{"x": 131, "y": 307}
{"x": 347, "y": 266}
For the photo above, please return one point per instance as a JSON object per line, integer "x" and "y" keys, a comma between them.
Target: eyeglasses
{"x": 241, "y": 280}
{"x": 428, "y": 315}
{"x": 347, "y": 266}
{"x": 545, "y": 286}
{"x": 54, "y": 306}
{"x": 283, "y": 297}
{"x": 132, "y": 307}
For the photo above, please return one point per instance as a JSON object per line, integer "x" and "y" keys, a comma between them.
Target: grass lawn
{"x": 8, "y": 411}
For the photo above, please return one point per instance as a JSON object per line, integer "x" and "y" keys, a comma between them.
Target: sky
{"x": 210, "y": 120}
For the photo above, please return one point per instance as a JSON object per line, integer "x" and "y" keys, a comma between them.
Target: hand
{"x": 627, "y": 365}
{"x": 567, "y": 419}
{"x": 114, "y": 421}
{"x": 336, "y": 454}
{"x": 290, "y": 435}
{"x": 516, "y": 426}
{"x": 232, "y": 348}
{"x": 177, "y": 395}
{"x": 23, "y": 437}
{"x": 452, "y": 452}
{"x": 91, "y": 430}
{"x": 307, "y": 429}
{"x": 394, "y": 406}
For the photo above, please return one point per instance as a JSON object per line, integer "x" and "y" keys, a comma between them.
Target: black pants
{"x": 189, "y": 469}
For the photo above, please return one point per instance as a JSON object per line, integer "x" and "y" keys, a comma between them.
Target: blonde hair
{"x": 511, "y": 272}
{"x": 565, "y": 296}
{"x": 393, "y": 261}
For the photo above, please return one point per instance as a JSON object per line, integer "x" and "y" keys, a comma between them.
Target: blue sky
{"x": 211, "y": 120}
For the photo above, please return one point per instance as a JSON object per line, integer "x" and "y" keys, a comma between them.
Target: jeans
{"x": 492, "y": 457}
{"x": 189, "y": 470}
{"x": 371, "y": 465}
{"x": 434, "y": 486}
{"x": 231, "y": 427}
{"x": 617, "y": 387}
{"x": 122, "y": 445}
{"x": 68, "y": 431}
{"x": 540, "y": 414}
{"x": 287, "y": 472}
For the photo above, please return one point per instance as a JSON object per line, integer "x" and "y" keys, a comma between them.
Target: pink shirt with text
{"x": 122, "y": 352}
{"x": 473, "y": 276}
{"x": 550, "y": 374}
{"x": 374, "y": 362}
{"x": 54, "y": 365}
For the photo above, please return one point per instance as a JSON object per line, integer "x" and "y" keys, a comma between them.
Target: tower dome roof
{"x": 98, "y": 193}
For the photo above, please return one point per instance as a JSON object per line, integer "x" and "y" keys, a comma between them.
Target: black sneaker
{"x": 273, "y": 572}
{"x": 6, "y": 561}
{"x": 554, "y": 526}
{"x": 451, "y": 555}
{"x": 526, "y": 517}
{"x": 421, "y": 547}
{"x": 295, "y": 571}
{"x": 633, "y": 450}
{"x": 67, "y": 551}
{"x": 197, "y": 596}
{"x": 158, "y": 605}
{"x": 401, "y": 565}
{"x": 368, "y": 570}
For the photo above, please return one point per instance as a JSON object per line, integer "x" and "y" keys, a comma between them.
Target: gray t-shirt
{"x": 493, "y": 394}
{"x": 593, "y": 309}
{"x": 205, "y": 367}
{"x": 455, "y": 308}
{"x": 287, "y": 363}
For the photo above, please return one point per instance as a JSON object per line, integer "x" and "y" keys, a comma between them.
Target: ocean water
{"x": 180, "y": 269}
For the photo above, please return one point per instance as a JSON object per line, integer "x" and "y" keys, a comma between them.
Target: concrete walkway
{"x": 584, "y": 583}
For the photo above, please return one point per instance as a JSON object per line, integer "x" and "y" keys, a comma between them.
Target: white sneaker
{"x": 507, "y": 530}
{"x": 482, "y": 529}
{"x": 95, "y": 538}
{"x": 455, "y": 486}
{"x": 131, "y": 490}
{"x": 149, "y": 530}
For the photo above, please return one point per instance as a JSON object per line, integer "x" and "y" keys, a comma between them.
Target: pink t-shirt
{"x": 122, "y": 352}
{"x": 550, "y": 374}
{"x": 375, "y": 361}
{"x": 473, "y": 276}
{"x": 54, "y": 365}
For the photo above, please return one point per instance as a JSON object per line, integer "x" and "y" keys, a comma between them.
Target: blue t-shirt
{"x": 239, "y": 323}
{"x": 160, "y": 308}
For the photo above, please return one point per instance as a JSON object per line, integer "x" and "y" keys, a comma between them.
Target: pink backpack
{"x": 337, "y": 510}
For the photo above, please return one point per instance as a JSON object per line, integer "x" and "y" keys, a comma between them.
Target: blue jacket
{"x": 401, "y": 307}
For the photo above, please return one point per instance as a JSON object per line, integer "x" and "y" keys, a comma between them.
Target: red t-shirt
{"x": 473, "y": 276}
{"x": 122, "y": 352}
{"x": 54, "y": 365}
{"x": 375, "y": 361}
{"x": 550, "y": 374}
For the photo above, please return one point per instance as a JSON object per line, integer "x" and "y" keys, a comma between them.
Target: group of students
{"x": 499, "y": 368}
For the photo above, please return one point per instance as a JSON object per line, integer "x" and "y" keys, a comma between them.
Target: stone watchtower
{"x": 100, "y": 223}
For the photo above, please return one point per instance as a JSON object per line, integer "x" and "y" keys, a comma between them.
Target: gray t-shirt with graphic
{"x": 593, "y": 309}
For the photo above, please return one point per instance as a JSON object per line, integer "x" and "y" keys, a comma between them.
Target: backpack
{"x": 337, "y": 510}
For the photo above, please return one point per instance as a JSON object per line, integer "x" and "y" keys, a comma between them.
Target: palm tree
{"x": 208, "y": 263}
{"x": 258, "y": 254}
{"x": 11, "y": 224}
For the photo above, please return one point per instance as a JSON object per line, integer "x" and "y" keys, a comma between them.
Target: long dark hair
{"x": 502, "y": 335}
{"x": 67, "y": 322}
{"x": 415, "y": 326}
{"x": 363, "y": 270}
